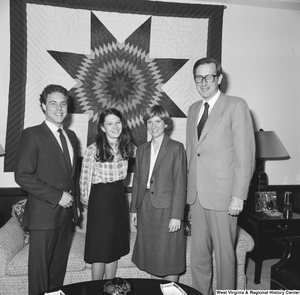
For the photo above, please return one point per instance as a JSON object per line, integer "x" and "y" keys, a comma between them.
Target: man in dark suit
{"x": 45, "y": 167}
{"x": 220, "y": 155}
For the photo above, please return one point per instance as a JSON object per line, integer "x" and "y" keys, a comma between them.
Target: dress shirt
{"x": 153, "y": 158}
{"x": 211, "y": 103}
{"x": 56, "y": 134}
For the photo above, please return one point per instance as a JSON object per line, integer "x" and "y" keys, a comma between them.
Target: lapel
{"x": 161, "y": 153}
{"x": 145, "y": 161}
{"x": 54, "y": 147}
{"x": 213, "y": 116}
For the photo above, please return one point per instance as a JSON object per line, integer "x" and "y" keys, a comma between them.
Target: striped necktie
{"x": 203, "y": 120}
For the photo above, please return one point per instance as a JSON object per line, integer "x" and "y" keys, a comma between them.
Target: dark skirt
{"x": 156, "y": 250}
{"x": 107, "y": 234}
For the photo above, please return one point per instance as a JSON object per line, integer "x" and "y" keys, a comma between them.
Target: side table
{"x": 267, "y": 233}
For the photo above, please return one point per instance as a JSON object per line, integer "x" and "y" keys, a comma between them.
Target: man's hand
{"x": 134, "y": 219}
{"x": 236, "y": 206}
{"x": 174, "y": 225}
{"x": 66, "y": 200}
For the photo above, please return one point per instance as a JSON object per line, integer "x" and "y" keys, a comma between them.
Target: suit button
{"x": 198, "y": 155}
{"x": 152, "y": 193}
{"x": 151, "y": 181}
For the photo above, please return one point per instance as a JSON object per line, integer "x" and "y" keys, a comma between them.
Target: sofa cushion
{"x": 11, "y": 242}
{"x": 19, "y": 264}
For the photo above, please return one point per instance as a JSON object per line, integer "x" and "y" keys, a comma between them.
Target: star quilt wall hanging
{"x": 125, "y": 54}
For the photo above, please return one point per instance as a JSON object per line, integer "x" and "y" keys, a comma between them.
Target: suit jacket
{"x": 221, "y": 162}
{"x": 40, "y": 170}
{"x": 168, "y": 179}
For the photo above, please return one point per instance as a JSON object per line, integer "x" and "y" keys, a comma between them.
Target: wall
{"x": 261, "y": 61}
{"x": 261, "y": 54}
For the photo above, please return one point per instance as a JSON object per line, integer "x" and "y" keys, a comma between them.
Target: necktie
{"x": 65, "y": 150}
{"x": 203, "y": 119}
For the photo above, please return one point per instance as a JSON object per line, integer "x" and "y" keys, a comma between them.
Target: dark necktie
{"x": 65, "y": 151}
{"x": 203, "y": 119}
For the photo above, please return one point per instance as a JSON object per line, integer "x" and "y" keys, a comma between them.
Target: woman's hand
{"x": 174, "y": 225}
{"x": 134, "y": 219}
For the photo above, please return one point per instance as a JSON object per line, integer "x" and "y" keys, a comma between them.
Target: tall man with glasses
{"x": 221, "y": 155}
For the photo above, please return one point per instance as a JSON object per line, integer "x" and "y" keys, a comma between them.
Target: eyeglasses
{"x": 207, "y": 78}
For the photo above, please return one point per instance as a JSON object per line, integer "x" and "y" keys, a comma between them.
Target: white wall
{"x": 261, "y": 60}
{"x": 261, "y": 54}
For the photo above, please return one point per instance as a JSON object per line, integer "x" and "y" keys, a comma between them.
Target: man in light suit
{"x": 220, "y": 166}
{"x": 52, "y": 185}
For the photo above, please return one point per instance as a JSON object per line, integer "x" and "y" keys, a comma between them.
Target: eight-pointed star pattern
{"x": 119, "y": 75}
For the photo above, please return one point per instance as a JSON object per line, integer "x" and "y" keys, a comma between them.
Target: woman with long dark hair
{"x": 104, "y": 166}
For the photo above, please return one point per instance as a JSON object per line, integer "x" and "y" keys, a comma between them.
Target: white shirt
{"x": 54, "y": 129}
{"x": 211, "y": 103}
{"x": 153, "y": 158}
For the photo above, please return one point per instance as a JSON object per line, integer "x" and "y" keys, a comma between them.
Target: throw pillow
{"x": 18, "y": 211}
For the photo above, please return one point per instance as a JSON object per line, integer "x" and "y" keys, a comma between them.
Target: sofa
{"x": 14, "y": 259}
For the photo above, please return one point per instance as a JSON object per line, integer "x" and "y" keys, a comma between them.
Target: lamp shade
{"x": 2, "y": 151}
{"x": 269, "y": 146}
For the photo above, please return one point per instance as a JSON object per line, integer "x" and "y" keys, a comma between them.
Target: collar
{"x": 52, "y": 127}
{"x": 212, "y": 100}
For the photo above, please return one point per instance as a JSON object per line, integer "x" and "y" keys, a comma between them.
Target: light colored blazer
{"x": 221, "y": 162}
{"x": 168, "y": 180}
